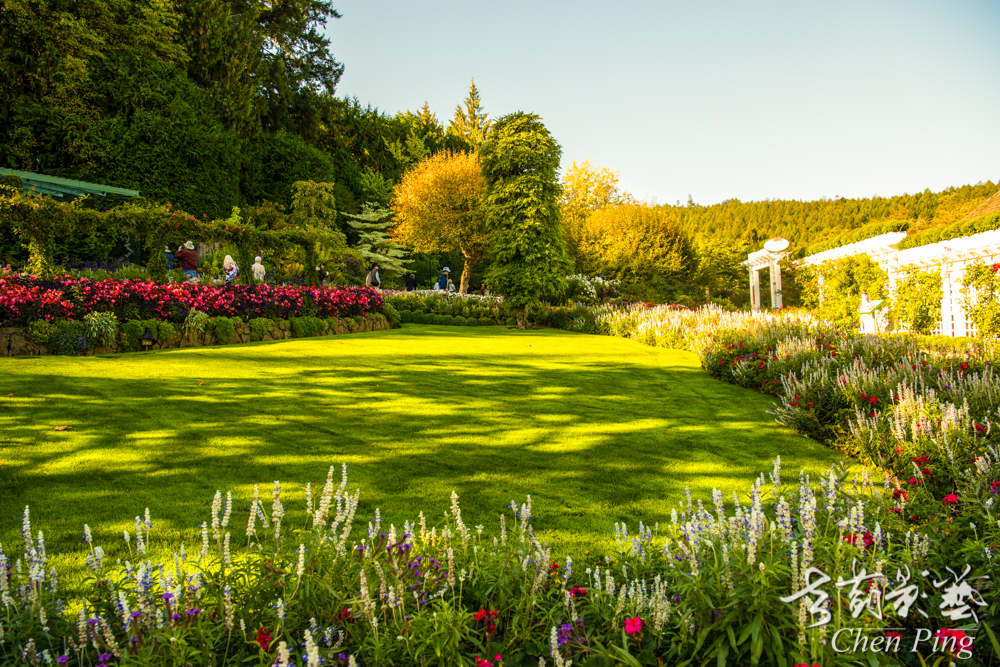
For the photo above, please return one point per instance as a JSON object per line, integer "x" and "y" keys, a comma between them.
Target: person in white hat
{"x": 187, "y": 258}
{"x": 258, "y": 269}
{"x": 442, "y": 282}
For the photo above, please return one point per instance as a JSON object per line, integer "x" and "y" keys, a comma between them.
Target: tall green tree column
{"x": 519, "y": 160}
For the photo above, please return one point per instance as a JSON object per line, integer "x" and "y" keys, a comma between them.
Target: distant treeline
{"x": 822, "y": 221}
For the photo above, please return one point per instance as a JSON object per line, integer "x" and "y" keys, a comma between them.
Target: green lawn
{"x": 596, "y": 429}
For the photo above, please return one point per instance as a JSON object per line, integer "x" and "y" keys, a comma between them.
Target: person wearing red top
{"x": 187, "y": 259}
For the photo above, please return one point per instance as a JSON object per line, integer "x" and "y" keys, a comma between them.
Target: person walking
{"x": 187, "y": 259}
{"x": 230, "y": 267}
{"x": 411, "y": 283}
{"x": 259, "y": 272}
{"x": 372, "y": 280}
{"x": 442, "y": 282}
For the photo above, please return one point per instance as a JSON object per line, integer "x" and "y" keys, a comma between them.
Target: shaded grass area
{"x": 595, "y": 429}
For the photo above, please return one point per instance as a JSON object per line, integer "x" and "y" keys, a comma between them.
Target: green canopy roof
{"x": 66, "y": 188}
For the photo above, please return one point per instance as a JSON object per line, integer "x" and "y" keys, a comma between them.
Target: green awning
{"x": 66, "y": 188}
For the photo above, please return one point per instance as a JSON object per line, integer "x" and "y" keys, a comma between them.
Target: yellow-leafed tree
{"x": 587, "y": 188}
{"x": 438, "y": 206}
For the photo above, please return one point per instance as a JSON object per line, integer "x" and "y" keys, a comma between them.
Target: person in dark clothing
{"x": 411, "y": 283}
{"x": 187, "y": 258}
{"x": 169, "y": 257}
{"x": 373, "y": 279}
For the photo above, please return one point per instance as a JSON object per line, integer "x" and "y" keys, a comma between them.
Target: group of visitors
{"x": 186, "y": 259}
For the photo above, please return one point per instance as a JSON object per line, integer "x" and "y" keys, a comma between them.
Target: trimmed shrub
{"x": 460, "y": 321}
{"x": 223, "y": 329}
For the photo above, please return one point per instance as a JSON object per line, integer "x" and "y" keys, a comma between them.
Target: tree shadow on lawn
{"x": 592, "y": 440}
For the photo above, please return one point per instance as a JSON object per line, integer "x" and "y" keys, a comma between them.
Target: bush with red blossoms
{"x": 25, "y": 299}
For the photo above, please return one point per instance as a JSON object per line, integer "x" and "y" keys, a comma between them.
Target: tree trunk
{"x": 521, "y": 316}
{"x": 470, "y": 262}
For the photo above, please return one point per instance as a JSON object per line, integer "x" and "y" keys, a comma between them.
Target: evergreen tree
{"x": 519, "y": 160}
{"x": 371, "y": 226}
{"x": 471, "y": 124}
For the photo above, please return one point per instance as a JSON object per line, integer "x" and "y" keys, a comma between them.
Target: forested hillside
{"x": 807, "y": 223}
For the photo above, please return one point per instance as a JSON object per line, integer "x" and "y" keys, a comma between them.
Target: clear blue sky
{"x": 789, "y": 99}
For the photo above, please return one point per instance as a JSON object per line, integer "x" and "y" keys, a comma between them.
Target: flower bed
{"x": 790, "y": 574}
{"x": 25, "y": 299}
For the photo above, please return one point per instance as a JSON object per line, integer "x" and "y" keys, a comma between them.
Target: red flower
{"x": 344, "y": 616}
{"x": 914, "y": 480}
{"x": 899, "y": 493}
{"x": 554, "y": 566}
{"x": 896, "y": 510}
{"x": 479, "y": 615}
{"x": 264, "y": 639}
{"x": 950, "y": 499}
{"x": 893, "y": 635}
{"x": 899, "y": 450}
{"x": 578, "y": 592}
{"x": 633, "y": 626}
{"x": 920, "y": 460}
{"x": 980, "y": 428}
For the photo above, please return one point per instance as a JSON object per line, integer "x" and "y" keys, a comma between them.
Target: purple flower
{"x": 167, "y": 597}
{"x": 176, "y": 617}
{"x": 134, "y": 640}
{"x": 62, "y": 659}
{"x": 92, "y": 622}
{"x": 136, "y": 614}
{"x": 193, "y": 612}
{"x": 104, "y": 657}
{"x": 717, "y": 613}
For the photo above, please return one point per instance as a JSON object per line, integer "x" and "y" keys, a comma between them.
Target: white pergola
{"x": 760, "y": 260}
{"x": 952, "y": 257}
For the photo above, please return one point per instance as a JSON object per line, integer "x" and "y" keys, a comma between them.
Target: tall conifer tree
{"x": 471, "y": 123}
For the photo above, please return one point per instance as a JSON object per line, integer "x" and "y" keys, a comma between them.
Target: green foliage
{"x": 40, "y": 222}
{"x": 839, "y": 285}
{"x": 258, "y": 327}
{"x": 985, "y": 223}
{"x": 195, "y": 324}
{"x": 102, "y": 327}
{"x": 917, "y": 300}
{"x": 223, "y": 328}
{"x": 860, "y": 234}
{"x": 130, "y": 333}
{"x": 392, "y": 315}
{"x": 519, "y": 160}
{"x": 39, "y": 331}
{"x": 982, "y": 297}
{"x": 307, "y": 327}
{"x": 374, "y": 243}
{"x": 69, "y": 337}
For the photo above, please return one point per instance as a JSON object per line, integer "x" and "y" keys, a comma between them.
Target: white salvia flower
{"x": 284, "y": 659}
{"x": 280, "y": 609}
{"x": 204, "y": 541}
{"x": 451, "y": 566}
{"x": 127, "y": 538}
{"x": 216, "y": 510}
{"x": 312, "y": 651}
{"x": 300, "y": 569}
{"x": 226, "y": 556}
{"x": 86, "y": 533}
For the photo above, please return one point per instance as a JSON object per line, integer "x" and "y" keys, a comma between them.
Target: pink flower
{"x": 633, "y": 626}
{"x": 950, "y": 499}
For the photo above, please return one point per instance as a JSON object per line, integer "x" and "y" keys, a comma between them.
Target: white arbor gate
{"x": 770, "y": 257}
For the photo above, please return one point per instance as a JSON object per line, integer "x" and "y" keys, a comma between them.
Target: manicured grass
{"x": 596, "y": 429}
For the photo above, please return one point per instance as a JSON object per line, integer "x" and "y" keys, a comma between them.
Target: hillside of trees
{"x": 812, "y": 222}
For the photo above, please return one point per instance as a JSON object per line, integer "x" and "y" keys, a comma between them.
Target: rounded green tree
{"x": 519, "y": 160}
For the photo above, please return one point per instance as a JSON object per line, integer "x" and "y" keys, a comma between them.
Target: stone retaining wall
{"x": 15, "y": 343}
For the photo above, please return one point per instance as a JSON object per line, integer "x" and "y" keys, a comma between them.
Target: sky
{"x": 714, "y": 99}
